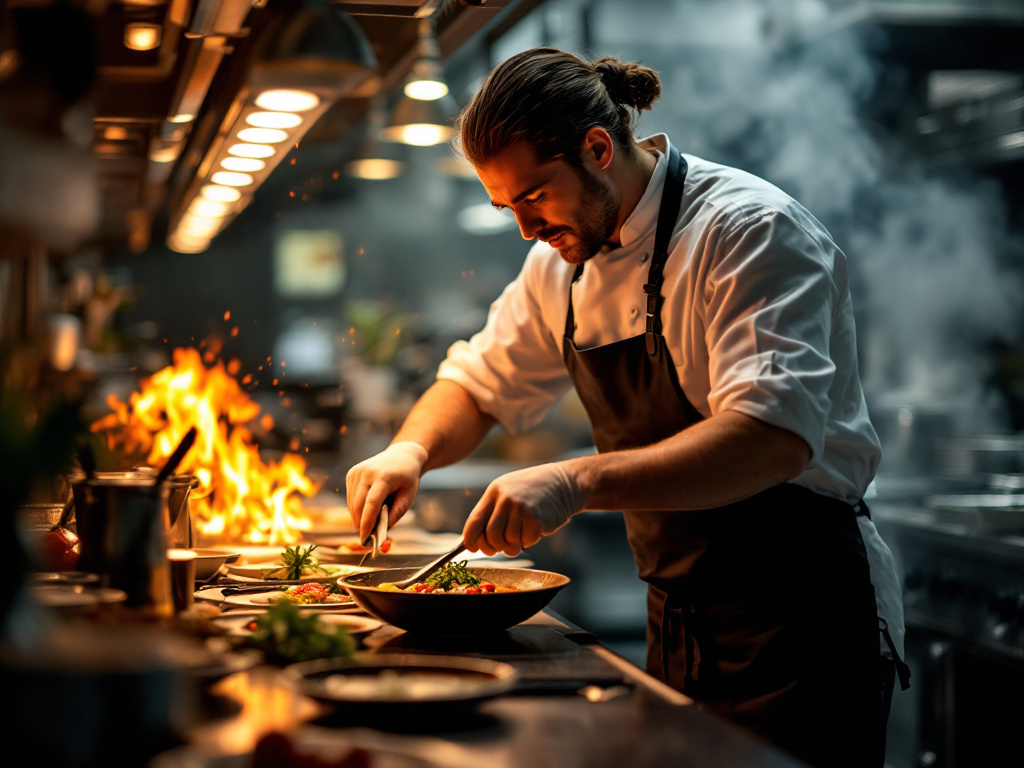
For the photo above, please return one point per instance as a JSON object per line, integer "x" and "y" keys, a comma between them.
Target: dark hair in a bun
{"x": 549, "y": 99}
{"x": 633, "y": 85}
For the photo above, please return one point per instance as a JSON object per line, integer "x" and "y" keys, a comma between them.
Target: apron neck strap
{"x": 570, "y": 316}
{"x": 671, "y": 197}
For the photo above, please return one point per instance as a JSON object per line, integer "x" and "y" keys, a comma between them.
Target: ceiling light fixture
{"x": 426, "y": 78}
{"x": 375, "y": 159}
{"x": 422, "y": 123}
{"x": 425, "y": 113}
{"x": 142, "y": 35}
{"x": 316, "y": 56}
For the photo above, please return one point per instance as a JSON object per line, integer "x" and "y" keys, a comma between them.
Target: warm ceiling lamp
{"x": 251, "y": 150}
{"x": 262, "y": 135}
{"x": 376, "y": 160}
{"x": 425, "y": 114}
{"x": 142, "y": 35}
{"x": 287, "y": 100}
{"x": 422, "y": 123}
{"x": 280, "y": 120}
{"x": 220, "y": 194}
{"x": 243, "y": 164}
{"x": 426, "y": 78}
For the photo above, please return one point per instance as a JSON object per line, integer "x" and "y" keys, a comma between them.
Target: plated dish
{"x": 395, "y": 681}
{"x": 243, "y": 625}
{"x": 261, "y": 572}
{"x": 263, "y": 599}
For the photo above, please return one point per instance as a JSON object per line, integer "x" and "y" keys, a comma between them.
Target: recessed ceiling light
{"x": 287, "y": 100}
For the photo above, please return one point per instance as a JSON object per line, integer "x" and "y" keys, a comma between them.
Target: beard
{"x": 593, "y": 220}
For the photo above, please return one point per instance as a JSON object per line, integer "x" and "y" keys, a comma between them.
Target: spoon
{"x": 177, "y": 456}
{"x": 428, "y": 569}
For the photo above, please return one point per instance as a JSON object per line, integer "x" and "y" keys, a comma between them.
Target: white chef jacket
{"x": 757, "y": 317}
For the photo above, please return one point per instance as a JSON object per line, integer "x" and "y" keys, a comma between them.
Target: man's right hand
{"x": 394, "y": 471}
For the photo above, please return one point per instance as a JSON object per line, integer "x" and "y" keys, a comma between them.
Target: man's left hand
{"x": 520, "y": 507}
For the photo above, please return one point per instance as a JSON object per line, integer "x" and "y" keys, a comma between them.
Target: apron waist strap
{"x": 902, "y": 668}
{"x": 860, "y": 509}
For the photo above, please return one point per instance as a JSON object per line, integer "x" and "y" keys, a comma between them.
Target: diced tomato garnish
{"x": 486, "y": 586}
{"x": 385, "y": 546}
{"x": 473, "y": 590}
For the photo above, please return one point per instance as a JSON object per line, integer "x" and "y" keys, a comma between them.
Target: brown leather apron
{"x": 762, "y": 611}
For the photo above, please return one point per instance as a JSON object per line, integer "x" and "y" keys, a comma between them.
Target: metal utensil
{"x": 382, "y": 531}
{"x": 378, "y": 538}
{"x": 368, "y": 541}
{"x": 428, "y": 569}
{"x": 211, "y": 581}
{"x": 175, "y": 458}
{"x": 264, "y": 586}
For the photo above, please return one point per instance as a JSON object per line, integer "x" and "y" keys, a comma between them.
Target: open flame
{"x": 239, "y": 499}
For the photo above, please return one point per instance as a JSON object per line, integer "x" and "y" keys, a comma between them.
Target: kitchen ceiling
{"x": 145, "y": 161}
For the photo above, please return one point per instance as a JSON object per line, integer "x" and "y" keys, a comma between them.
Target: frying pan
{"x": 455, "y": 614}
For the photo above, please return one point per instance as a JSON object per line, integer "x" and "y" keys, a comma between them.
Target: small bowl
{"x": 209, "y": 560}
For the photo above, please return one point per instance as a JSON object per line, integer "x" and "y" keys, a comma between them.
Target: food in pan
{"x": 449, "y": 579}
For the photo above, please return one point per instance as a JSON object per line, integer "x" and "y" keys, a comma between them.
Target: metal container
{"x": 124, "y": 529}
{"x": 182, "y": 530}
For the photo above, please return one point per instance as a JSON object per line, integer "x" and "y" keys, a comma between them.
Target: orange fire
{"x": 239, "y": 499}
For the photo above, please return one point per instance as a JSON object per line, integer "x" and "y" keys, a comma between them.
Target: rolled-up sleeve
{"x": 513, "y": 368}
{"x": 769, "y": 304}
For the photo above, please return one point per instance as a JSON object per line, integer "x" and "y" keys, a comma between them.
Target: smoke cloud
{"x": 779, "y": 89}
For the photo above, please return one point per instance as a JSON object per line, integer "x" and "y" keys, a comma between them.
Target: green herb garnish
{"x": 286, "y": 634}
{"x": 297, "y": 561}
{"x": 453, "y": 573}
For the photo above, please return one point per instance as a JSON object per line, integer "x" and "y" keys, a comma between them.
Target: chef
{"x": 704, "y": 318}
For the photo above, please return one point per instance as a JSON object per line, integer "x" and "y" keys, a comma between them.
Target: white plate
{"x": 264, "y": 599}
{"x": 358, "y": 626}
{"x": 259, "y": 571}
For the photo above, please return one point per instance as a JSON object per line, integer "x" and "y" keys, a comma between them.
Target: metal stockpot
{"x": 124, "y": 529}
